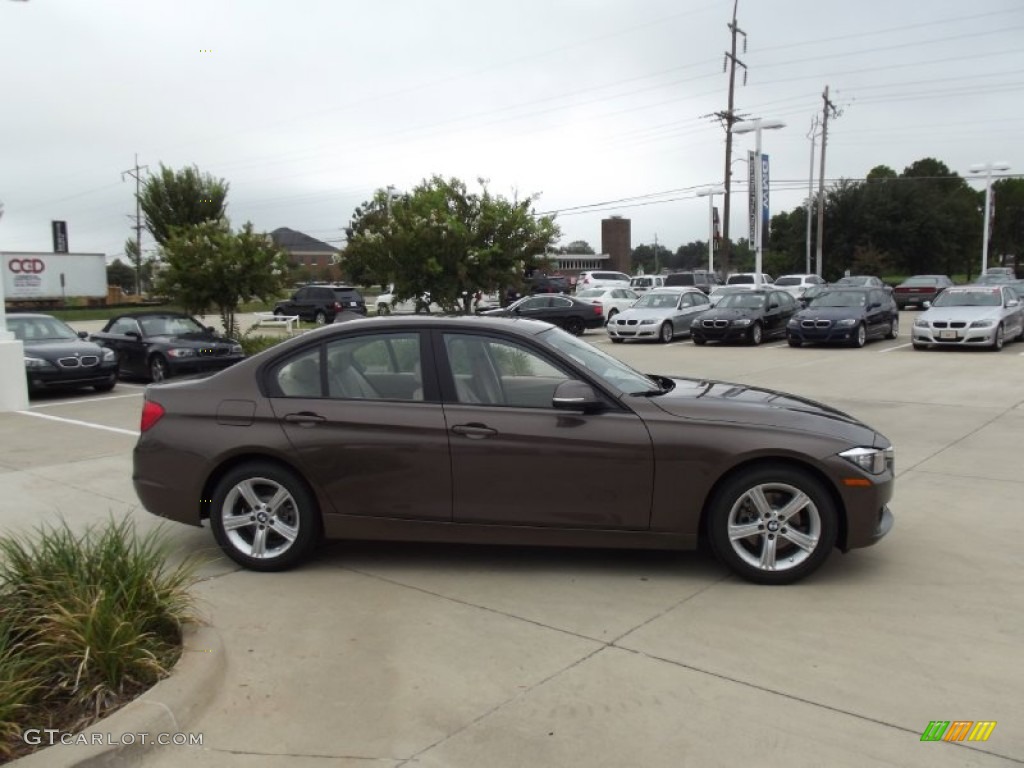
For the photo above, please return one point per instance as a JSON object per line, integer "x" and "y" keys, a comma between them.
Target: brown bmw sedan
{"x": 465, "y": 429}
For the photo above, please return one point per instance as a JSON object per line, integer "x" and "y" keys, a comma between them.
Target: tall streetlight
{"x": 757, "y": 125}
{"x": 987, "y": 169}
{"x": 710, "y": 195}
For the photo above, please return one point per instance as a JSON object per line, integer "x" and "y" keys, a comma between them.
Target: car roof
{"x": 33, "y": 316}
{"x": 517, "y": 325}
{"x": 676, "y": 289}
{"x": 152, "y": 313}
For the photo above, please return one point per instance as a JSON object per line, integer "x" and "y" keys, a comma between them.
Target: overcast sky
{"x": 306, "y": 106}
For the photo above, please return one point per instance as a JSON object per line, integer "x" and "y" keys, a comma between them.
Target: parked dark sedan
{"x": 158, "y": 345}
{"x": 846, "y": 316}
{"x": 919, "y": 289}
{"x": 750, "y": 316}
{"x": 568, "y": 312}
{"x": 58, "y": 358}
{"x": 446, "y": 429}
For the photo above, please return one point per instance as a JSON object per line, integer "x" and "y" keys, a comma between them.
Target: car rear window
{"x": 921, "y": 281}
{"x": 740, "y": 279}
{"x": 680, "y": 278}
{"x": 347, "y": 294}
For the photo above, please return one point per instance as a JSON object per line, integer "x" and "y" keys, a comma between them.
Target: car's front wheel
{"x": 616, "y": 340}
{"x": 894, "y": 329}
{"x": 158, "y": 369}
{"x": 264, "y": 516}
{"x": 773, "y": 524}
{"x": 860, "y": 336}
{"x": 755, "y": 334}
{"x": 794, "y": 342}
{"x": 320, "y": 318}
{"x": 667, "y": 333}
{"x": 999, "y": 340}
{"x": 107, "y": 385}
{"x": 700, "y": 341}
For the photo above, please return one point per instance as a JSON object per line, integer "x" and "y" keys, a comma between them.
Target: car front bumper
{"x": 831, "y": 335}
{"x": 952, "y": 337}
{"x": 728, "y": 333}
{"x": 621, "y": 329}
{"x": 104, "y": 373}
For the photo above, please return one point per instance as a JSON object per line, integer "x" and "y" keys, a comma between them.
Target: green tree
{"x": 692, "y": 255}
{"x": 650, "y": 258}
{"x": 206, "y": 265}
{"x": 577, "y": 246}
{"x": 444, "y": 240}
{"x": 121, "y": 275}
{"x": 182, "y": 198}
{"x": 1008, "y": 227}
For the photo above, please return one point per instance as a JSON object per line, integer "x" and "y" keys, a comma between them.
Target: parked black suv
{"x": 698, "y": 278}
{"x": 320, "y": 303}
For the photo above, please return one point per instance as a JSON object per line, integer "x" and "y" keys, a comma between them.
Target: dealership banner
{"x": 752, "y": 194}
{"x": 765, "y": 222}
{"x": 716, "y": 227}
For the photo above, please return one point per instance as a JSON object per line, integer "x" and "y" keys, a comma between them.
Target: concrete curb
{"x": 169, "y": 707}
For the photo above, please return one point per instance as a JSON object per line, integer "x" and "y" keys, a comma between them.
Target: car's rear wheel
{"x": 383, "y": 309}
{"x": 158, "y": 369}
{"x": 667, "y": 333}
{"x": 320, "y": 317}
{"x": 574, "y": 326}
{"x": 894, "y": 329}
{"x": 860, "y": 336}
{"x": 264, "y": 517}
{"x": 755, "y": 334}
{"x": 999, "y": 340}
{"x": 773, "y": 524}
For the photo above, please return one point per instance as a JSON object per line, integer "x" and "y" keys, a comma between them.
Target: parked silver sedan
{"x": 661, "y": 314}
{"x": 971, "y": 315}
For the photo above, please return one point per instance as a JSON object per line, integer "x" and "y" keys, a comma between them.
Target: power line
{"x": 136, "y": 173}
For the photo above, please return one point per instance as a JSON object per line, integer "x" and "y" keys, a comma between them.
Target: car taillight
{"x": 597, "y": 309}
{"x": 151, "y": 414}
{"x": 337, "y": 306}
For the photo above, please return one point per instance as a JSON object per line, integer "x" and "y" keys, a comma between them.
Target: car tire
{"x": 794, "y": 342}
{"x": 320, "y": 318}
{"x": 611, "y": 314}
{"x": 666, "y": 333}
{"x": 278, "y": 312}
{"x": 700, "y": 341}
{"x": 574, "y": 326}
{"x": 106, "y": 386}
{"x": 920, "y": 346}
{"x": 283, "y": 535}
{"x": 861, "y": 337}
{"x": 158, "y": 369}
{"x": 894, "y": 329}
{"x": 616, "y": 341}
{"x": 755, "y": 334}
{"x": 383, "y": 309}
{"x": 1020, "y": 336}
{"x": 1000, "y": 339}
{"x": 737, "y": 507}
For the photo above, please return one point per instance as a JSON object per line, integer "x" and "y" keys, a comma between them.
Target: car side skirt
{"x": 392, "y": 529}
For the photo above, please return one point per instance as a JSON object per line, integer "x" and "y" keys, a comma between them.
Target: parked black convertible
{"x": 159, "y": 345}
{"x": 58, "y": 358}
{"x": 846, "y": 316}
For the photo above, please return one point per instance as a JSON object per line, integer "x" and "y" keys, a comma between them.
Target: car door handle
{"x": 305, "y": 419}
{"x": 474, "y": 431}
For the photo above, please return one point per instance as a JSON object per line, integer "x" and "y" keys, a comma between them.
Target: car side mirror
{"x": 927, "y": 305}
{"x": 83, "y": 334}
{"x": 1013, "y": 303}
{"x": 574, "y": 395}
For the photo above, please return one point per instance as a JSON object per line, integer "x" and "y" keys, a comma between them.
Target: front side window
{"x": 490, "y": 371}
{"x": 123, "y": 325}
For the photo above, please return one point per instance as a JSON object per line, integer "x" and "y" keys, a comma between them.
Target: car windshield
{"x": 788, "y": 281}
{"x": 969, "y": 298}
{"x": 921, "y": 281}
{"x": 602, "y": 365}
{"x": 841, "y": 299}
{"x": 658, "y": 301}
{"x": 169, "y": 325}
{"x": 742, "y": 300}
{"x": 39, "y": 329}
{"x": 853, "y": 281}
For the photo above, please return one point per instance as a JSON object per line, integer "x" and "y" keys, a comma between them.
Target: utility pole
{"x": 656, "y": 270}
{"x": 135, "y": 173}
{"x": 728, "y": 117}
{"x": 812, "y": 135}
{"x": 829, "y": 108}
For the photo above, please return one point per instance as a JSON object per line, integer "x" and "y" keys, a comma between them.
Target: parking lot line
{"x": 120, "y": 431}
{"x": 898, "y": 346}
{"x": 85, "y": 400}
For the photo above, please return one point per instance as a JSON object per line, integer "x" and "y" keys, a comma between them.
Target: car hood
{"x": 54, "y": 348}
{"x": 731, "y": 313}
{"x": 647, "y": 313}
{"x": 709, "y": 400}
{"x": 830, "y": 313}
{"x": 956, "y": 314}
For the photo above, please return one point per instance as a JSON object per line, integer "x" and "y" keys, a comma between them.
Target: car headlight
{"x": 794, "y": 321}
{"x": 743, "y": 321}
{"x": 37, "y": 363}
{"x": 846, "y": 323}
{"x": 871, "y": 460}
{"x": 648, "y": 321}
{"x": 983, "y": 323}
{"x": 181, "y": 352}
{"x": 236, "y": 349}
{"x": 109, "y": 356}
{"x": 920, "y": 323}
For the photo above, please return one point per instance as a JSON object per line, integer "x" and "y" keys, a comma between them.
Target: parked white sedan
{"x": 661, "y": 314}
{"x": 611, "y": 300}
{"x": 796, "y": 285}
{"x": 971, "y": 316}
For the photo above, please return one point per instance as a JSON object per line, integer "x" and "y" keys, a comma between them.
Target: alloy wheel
{"x": 260, "y": 518}
{"x": 774, "y": 527}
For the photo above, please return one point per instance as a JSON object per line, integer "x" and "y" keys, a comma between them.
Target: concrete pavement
{"x": 404, "y": 654}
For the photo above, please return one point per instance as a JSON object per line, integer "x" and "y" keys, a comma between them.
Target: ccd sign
{"x": 26, "y": 266}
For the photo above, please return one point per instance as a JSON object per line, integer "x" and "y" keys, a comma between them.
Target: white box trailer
{"x": 48, "y": 277}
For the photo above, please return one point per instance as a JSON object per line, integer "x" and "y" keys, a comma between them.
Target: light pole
{"x": 710, "y": 195}
{"x": 757, "y": 125}
{"x": 987, "y": 169}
